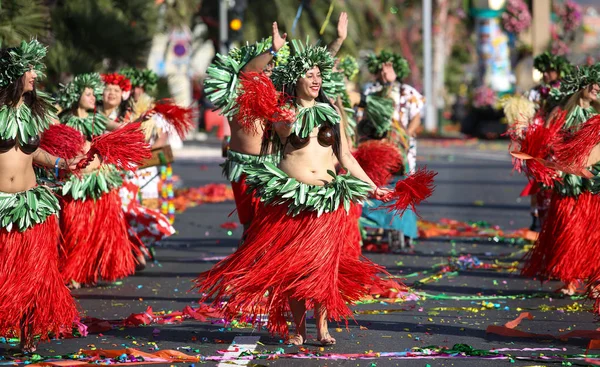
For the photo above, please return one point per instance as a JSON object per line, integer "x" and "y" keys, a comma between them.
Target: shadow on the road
{"x": 165, "y": 274}
{"x": 406, "y": 270}
{"x": 461, "y": 331}
{"x": 480, "y": 182}
{"x": 475, "y": 166}
{"x": 468, "y": 241}
{"x": 446, "y": 254}
{"x": 203, "y": 333}
{"x": 136, "y": 297}
{"x": 475, "y": 206}
{"x": 461, "y": 289}
{"x": 188, "y": 243}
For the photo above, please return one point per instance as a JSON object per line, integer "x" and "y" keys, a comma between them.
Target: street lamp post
{"x": 431, "y": 122}
{"x": 223, "y": 27}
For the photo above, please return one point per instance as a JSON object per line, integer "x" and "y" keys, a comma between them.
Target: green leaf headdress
{"x": 547, "y": 61}
{"x": 579, "y": 78}
{"x": 222, "y": 82}
{"x": 69, "y": 94}
{"x": 349, "y": 66}
{"x": 375, "y": 63}
{"x": 304, "y": 58}
{"x": 20, "y": 59}
{"x": 145, "y": 78}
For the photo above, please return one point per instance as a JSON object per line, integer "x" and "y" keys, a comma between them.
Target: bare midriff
{"x": 245, "y": 142}
{"x": 16, "y": 171}
{"x": 310, "y": 163}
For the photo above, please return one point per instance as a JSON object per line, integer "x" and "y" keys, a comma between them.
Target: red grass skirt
{"x": 95, "y": 240}
{"x": 304, "y": 257}
{"x": 245, "y": 202}
{"x": 31, "y": 287}
{"x": 569, "y": 241}
{"x": 354, "y": 235}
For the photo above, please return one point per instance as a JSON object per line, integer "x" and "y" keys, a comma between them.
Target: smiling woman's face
{"x": 29, "y": 80}
{"x": 309, "y": 86}
{"x": 87, "y": 100}
{"x": 112, "y": 95}
{"x": 591, "y": 92}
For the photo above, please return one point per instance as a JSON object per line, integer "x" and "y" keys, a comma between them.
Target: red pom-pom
{"x": 412, "y": 190}
{"x": 379, "y": 159}
{"x": 125, "y": 147}
{"x": 258, "y": 101}
{"x": 178, "y": 117}
{"x": 536, "y": 148}
{"x": 62, "y": 141}
{"x": 117, "y": 79}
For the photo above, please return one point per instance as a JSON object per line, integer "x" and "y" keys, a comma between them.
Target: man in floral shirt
{"x": 390, "y": 69}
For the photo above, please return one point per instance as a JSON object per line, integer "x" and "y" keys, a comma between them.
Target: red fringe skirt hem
{"x": 303, "y": 257}
{"x": 32, "y": 291}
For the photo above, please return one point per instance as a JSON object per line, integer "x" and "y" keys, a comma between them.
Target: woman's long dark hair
{"x": 271, "y": 144}
{"x": 11, "y": 94}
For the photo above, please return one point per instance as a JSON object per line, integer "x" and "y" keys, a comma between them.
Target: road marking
{"x": 240, "y": 344}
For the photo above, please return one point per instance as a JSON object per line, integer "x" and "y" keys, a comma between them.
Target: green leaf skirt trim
{"x": 573, "y": 185}
{"x": 23, "y": 210}
{"x": 92, "y": 185}
{"x": 236, "y": 163}
{"x": 275, "y": 187}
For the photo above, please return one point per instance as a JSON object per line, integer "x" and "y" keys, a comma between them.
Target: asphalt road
{"x": 474, "y": 183}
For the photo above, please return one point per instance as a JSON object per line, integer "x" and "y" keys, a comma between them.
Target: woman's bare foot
{"x": 27, "y": 344}
{"x": 141, "y": 262}
{"x": 74, "y": 285}
{"x": 295, "y": 339}
{"x": 323, "y": 335}
{"x": 326, "y": 339}
{"x": 594, "y": 291}
{"x": 568, "y": 289}
{"x": 298, "y": 308}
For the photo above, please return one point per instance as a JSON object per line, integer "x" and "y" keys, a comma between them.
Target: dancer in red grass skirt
{"x": 96, "y": 241}
{"x": 565, "y": 240}
{"x": 296, "y": 247}
{"x": 33, "y": 298}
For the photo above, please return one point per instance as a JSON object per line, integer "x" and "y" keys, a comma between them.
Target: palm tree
{"x": 97, "y": 35}
{"x": 22, "y": 20}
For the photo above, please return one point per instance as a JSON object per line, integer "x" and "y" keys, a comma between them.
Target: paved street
{"x": 448, "y": 307}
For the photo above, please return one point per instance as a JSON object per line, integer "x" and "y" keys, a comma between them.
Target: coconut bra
{"x": 321, "y": 115}
{"x": 27, "y": 147}
{"x": 325, "y": 137}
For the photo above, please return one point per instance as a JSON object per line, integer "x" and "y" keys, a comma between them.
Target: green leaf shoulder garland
{"x": 307, "y": 118}
{"x": 90, "y": 126}
{"x": 20, "y": 124}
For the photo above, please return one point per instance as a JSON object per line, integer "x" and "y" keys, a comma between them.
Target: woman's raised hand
{"x": 342, "y": 26}
{"x": 278, "y": 40}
